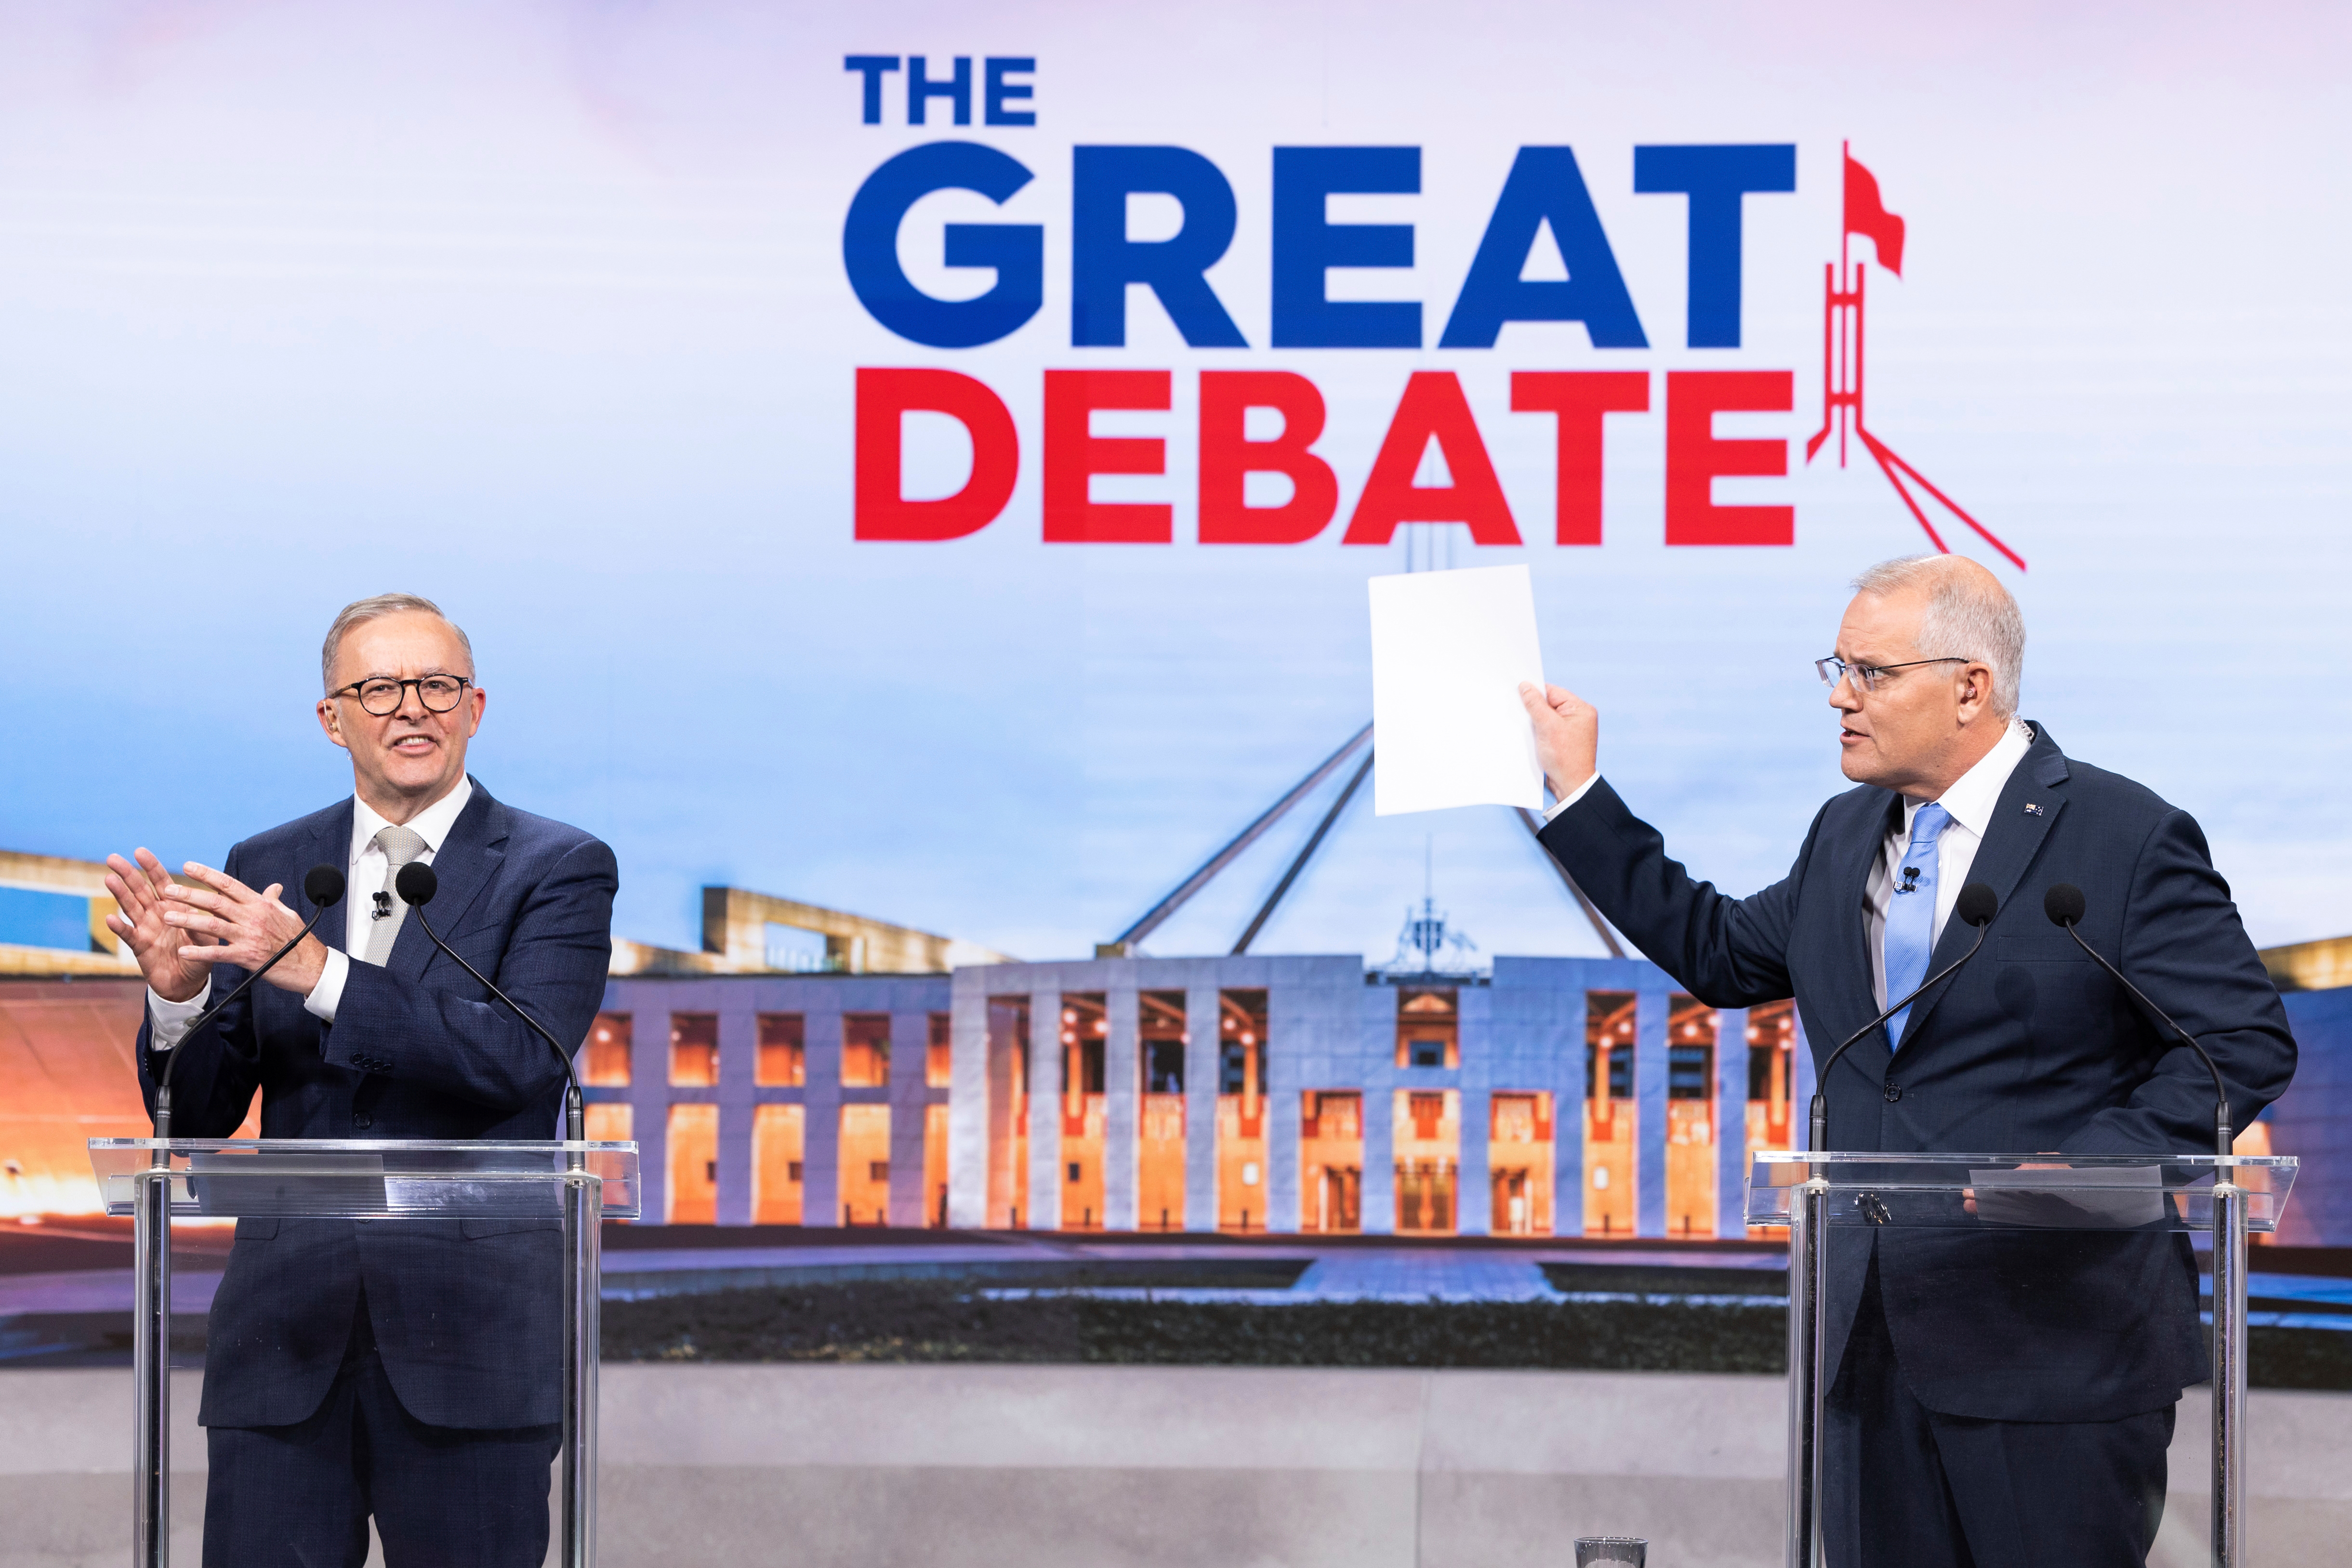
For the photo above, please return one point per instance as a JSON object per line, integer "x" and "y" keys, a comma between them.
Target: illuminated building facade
{"x": 778, "y": 1100}
{"x": 812, "y": 1066}
{"x": 1557, "y": 1096}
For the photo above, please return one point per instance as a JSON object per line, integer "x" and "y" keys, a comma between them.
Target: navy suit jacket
{"x": 466, "y": 1313}
{"x": 2031, "y": 1047}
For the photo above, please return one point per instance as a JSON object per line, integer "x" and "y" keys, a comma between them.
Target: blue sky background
{"x": 540, "y": 311}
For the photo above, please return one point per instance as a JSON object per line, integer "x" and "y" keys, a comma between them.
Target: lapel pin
{"x": 2032, "y": 810}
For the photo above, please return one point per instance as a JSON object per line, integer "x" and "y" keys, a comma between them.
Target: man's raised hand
{"x": 1567, "y": 736}
{"x": 140, "y": 892}
{"x": 247, "y": 927}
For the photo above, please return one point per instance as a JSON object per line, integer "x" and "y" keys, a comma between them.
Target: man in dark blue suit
{"x": 406, "y": 1370}
{"x": 2001, "y": 1398}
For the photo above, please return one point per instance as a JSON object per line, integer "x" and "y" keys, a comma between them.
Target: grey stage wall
{"x": 1080, "y": 1466}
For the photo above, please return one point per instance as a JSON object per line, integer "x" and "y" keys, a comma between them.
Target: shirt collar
{"x": 432, "y": 824}
{"x": 1975, "y": 793}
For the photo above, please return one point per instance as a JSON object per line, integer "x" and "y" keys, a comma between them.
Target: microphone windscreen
{"x": 416, "y": 883}
{"x": 2063, "y": 904}
{"x": 324, "y": 886}
{"x": 1977, "y": 904}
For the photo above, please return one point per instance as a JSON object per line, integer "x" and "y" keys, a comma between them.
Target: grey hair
{"x": 1968, "y": 615}
{"x": 360, "y": 611}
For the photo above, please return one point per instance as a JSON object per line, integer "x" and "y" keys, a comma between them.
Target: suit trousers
{"x": 1905, "y": 1487}
{"x": 442, "y": 1496}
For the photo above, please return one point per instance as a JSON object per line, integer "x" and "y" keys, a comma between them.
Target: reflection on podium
{"x": 1997, "y": 1221}
{"x": 483, "y": 1260}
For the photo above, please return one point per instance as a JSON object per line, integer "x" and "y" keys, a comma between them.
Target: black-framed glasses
{"x": 381, "y": 696}
{"x": 1868, "y": 677}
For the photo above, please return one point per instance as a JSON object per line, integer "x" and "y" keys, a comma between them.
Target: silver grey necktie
{"x": 400, "y": 846}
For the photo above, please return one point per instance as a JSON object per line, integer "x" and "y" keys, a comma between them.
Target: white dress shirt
{"x": 370, "y": 873}
{"x": 1970, "y": 801}
{"x": 1571, "y": 797}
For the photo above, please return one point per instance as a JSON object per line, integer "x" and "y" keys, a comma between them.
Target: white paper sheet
{"x": 1449, "y": 651}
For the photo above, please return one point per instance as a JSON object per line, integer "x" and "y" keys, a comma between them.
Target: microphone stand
{"x": 1808, "y": 1266}
{"x": 2224, "y": 1137}
{"x": 150, "y": 1340}
{"x": 1817, "y": 1130}
{"x": 574, "y": 1115}
{"x": 2229, "y": 1217}
{"x": 162, "y": 1114}
{"x": 583, "y": 1215}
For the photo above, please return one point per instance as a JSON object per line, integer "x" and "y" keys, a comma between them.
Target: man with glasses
{"x": 406, "y": 1370}
{"x": 2000, "y": 1399}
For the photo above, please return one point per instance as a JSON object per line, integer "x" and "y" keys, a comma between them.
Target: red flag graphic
{"x": 1868, "y": 217}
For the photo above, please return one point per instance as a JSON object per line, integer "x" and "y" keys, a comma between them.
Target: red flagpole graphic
{"x": 1866, "y": 214}
{"x": 1842, "y": 356}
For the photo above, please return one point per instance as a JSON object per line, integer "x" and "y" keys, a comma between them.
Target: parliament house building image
{"x": 1287, "y": 1094}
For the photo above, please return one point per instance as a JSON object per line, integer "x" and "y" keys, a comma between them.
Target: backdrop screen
{"x": 926, "y": 459}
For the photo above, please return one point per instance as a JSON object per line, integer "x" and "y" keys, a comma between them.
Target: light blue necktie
{"x": 400, "y": 846}
{"x": 1911, "y": 912}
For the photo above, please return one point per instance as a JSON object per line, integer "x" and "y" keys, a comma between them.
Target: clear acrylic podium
{"x": 1814, "y": 1195}
{"x": 578, "y": 1183}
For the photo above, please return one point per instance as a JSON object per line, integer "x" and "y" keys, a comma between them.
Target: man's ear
{"x": 1979, "y": 679}
{"x": 331, "y": 722}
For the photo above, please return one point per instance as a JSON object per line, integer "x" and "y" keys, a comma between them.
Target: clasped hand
{"x": 177, "y": 932}
{"x": 1567, "y": 736}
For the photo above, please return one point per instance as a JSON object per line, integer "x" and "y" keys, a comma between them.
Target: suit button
{"x": 363, "y": 1120}
{"x": 1894, "y": 1093}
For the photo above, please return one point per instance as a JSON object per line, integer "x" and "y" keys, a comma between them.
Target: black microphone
{"x": 323, "y": 885}
{"x": 1975, "y": 906}
{"x": 2063, "y": 904}
{"x": 417, "y": 884}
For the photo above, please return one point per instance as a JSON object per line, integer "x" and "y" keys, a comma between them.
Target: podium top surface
{"x": 369, "y": 1178}
{"x": 1996, "y": 1192}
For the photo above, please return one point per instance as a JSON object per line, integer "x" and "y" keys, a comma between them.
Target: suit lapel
{"x": 2011, "y": 840}
{"x": 1850, "y": 882}
{"x": 331, "y": 845}
{"x": 466, "y": 862}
